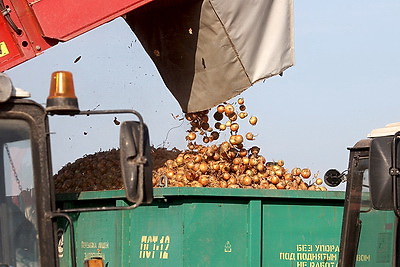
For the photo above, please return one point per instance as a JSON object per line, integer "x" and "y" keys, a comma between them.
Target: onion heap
{"x": 102, "y": 171}
{"x": 229, "y": 164}
{"x": 95, "y": 172}
{"x": 226, "y": 165}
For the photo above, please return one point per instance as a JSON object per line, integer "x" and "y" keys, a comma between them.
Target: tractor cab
{"x": 372, "y": 185}
{"x": 28, "y": 221}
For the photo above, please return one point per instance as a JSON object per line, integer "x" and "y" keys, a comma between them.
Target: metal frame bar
{"x": 351, "y": 225}
{"x": 34, "y": 115}
{"x": 140, "y": 155}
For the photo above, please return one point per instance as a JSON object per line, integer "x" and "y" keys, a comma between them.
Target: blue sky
{"x": 343, "y": 85}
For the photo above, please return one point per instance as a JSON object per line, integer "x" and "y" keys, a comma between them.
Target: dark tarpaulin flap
{"x": 210, "y": 51}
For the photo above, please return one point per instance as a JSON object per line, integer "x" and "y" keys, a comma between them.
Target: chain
{"x": 13, "y": 168}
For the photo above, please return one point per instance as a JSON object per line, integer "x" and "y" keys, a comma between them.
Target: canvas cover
{"x": 208, "y": 51}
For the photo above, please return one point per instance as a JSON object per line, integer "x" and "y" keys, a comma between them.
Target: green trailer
{"x": 222, "y": 227}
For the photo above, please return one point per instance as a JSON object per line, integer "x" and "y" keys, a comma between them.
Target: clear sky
{"x": 343, "y": 85}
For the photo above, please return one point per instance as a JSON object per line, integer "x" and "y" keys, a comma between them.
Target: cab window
{"x": 18, "y": 221}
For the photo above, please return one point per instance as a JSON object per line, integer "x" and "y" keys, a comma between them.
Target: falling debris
{"x": 174, "y": 116}
{"x": 190, "y": 31}
{"x": 116, "y": 121}
{"x": 77, "y": 59}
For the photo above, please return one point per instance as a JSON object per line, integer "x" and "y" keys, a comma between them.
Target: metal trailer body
{"x": 224, "y": 227}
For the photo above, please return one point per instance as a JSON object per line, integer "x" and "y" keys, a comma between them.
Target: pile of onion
{"x": 226, "y": 117}
{"x": 228, "y": 164}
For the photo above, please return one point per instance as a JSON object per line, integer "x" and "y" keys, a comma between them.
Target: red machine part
{"x": 25, "y": 43}
{"x": 42, "y": 24}
{"x": 63, "y": 20}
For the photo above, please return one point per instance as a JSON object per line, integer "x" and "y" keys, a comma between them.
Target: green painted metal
{"x": 224, "y": 227}
{"x": 376, "y": 240}
{"x": 97, "y": 234}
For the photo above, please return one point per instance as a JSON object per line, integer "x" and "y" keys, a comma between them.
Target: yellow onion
{"x": 249, "y": 136}
{"x": 223, "y": 184}
{"x": 253, "y": 120}
{"x": 191, "y": 136}
{"x": 243, "y": 115}
{"x": 233, "y": 117}
{"x": 221, "y": 109}
{"x": 229, "y": 109}
{"x": 204, "y": 180}
{"x": 203, "y": 167}
{"x": 236, "y": 139}
{"x": 234, "y": 127}
{"x": 260, "y": 167}
{"x": 247, "y": 180}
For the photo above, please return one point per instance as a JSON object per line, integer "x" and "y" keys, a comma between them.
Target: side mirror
{"x": 136, "y": 162}
{"x": 383, "y": 172}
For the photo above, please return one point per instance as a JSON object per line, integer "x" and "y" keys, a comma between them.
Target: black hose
{"x": 6, "y": 13}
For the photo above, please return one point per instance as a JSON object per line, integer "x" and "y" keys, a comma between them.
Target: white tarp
{"x": 208, "y": 51}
